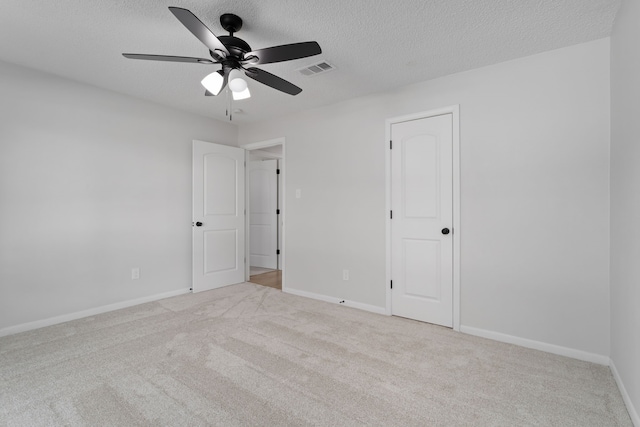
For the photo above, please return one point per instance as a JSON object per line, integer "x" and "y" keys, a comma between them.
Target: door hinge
{"x": 277, "y": 251}
{"x": 390, "y": 145}
{"x": 391, "y": 284}
{"x": 390, "y": 214}
{"x": 277, "y": 171}
{"x": 277, "y": 211}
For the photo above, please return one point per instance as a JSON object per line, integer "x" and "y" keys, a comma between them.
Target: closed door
{"x": 422, "y": 218}
{"x": 263, "y": 217}
{"x": 218, "y": 215}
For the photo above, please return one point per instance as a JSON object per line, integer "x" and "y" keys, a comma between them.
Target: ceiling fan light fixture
{"x": 237, "y": 96}
{"x": 233, "y": 54}
{"x": 213, "y": 82}
{"x": 236, "y": 82}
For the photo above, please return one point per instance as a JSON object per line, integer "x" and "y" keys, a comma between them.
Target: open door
{"x": 263, "y": 214}
{"x": 218, "y": 216}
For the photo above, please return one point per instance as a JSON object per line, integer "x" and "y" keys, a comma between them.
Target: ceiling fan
{"x": 234, "y": 54}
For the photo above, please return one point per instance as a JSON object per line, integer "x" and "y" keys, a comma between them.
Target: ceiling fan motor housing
{"x": 236, "y": 47}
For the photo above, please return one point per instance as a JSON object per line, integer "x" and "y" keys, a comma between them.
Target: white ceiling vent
{"x": 317, "y": 68}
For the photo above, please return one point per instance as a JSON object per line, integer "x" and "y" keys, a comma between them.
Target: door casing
{"x": 454, "y": 110}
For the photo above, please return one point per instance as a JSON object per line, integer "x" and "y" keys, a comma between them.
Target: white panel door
{"x": 263, "y": 218}
{"x": 218, "y": 215}
{"x": 422, "y": 209}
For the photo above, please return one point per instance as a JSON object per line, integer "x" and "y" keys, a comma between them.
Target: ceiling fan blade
{"x": 272, "y": 81}
{"x": 285, "y": 52}
{"x": 167, "y": 58}
{"x": 198, "y": 29}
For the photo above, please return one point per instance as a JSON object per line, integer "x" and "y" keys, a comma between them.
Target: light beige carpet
{"x": 248, "y": 355}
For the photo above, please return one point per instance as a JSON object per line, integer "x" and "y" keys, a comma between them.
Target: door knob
{"x": 445, "y": 231}
{"x": 198, "y": 224}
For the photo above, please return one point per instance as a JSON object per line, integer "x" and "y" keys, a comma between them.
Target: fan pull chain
{"x": 229, "y": 111}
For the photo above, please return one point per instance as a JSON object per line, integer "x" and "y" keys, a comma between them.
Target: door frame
{"x": 454, "y": 110}
{"x": 283, "y": 173}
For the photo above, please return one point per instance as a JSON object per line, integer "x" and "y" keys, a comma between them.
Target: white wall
{"x": 534, "y": 189}
{"x": 625, "y": 202}
{"x": 92, "y": 183}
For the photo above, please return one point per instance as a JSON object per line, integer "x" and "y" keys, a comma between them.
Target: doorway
{"x": 265, "y": 213}
{"x": 423, "y": 221}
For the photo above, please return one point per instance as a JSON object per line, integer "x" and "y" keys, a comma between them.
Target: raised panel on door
{"x": 420, "y": 172}
{"x": 218, "y": 215}
{"x": 220, "y": 247}
{"x": 421, "y": 265}
{"x": 220, "y": 185}
{"x": 422, "y": 204}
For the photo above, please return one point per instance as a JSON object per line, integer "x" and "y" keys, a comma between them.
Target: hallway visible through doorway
{"x": 266, "y": 277}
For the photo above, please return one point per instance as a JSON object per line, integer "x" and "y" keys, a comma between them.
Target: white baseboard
{"x": 86, "y": 313}
{"x": 537, "y": 345}
{"x": 352, "y": 304}
{"x": 633, "y": 413}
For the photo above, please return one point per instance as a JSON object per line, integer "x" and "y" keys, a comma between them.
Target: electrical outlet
{"x": 135, "y": 273}
{"x": 345, "y": 274}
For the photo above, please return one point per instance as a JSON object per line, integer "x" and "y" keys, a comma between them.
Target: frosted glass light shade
{"x": 213, "y": 82}
{"x": 241, "y": 95}
{"x": 236, "y": 82}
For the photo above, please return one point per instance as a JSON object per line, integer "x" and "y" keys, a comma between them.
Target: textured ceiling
{"x": 375, "y": 45}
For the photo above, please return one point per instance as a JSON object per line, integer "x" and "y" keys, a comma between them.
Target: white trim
{"x": 267, "y": 155}
{"x": 283, "y": 176}
{"x": 456, "y": 217}
{"x": 454, "y": 110}
{"x": 633, "y": 413}
{"x": 86, "y": 313}
{"x": 352, "y": 304}
{"x": 537, "y": 345}
{"x": 263, "y": 144}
